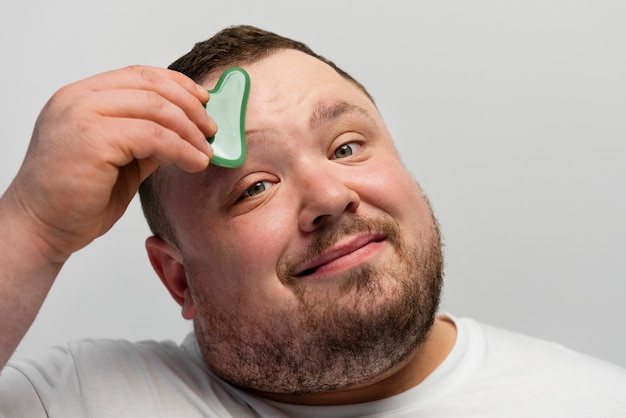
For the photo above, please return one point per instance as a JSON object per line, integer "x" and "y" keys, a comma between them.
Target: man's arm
{"x": 94, "y": 142}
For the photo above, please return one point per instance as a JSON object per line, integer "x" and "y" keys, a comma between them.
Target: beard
{"x": 330, "y": 339}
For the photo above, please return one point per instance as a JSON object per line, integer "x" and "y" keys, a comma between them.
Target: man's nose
{"x": 325, "y": 196}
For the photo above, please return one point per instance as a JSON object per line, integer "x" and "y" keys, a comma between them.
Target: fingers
{"x": 171, "y": 85}
{"x": 157, "y": 121}
{"x": 169, "y": 121}
{"x": 146, "y": 139}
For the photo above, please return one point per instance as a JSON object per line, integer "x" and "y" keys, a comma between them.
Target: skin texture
{"x": 312, "y": 272}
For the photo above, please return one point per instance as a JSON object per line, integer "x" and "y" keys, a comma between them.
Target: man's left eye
{"x": 257, "y": 188}
{"x": 346, "y": 150}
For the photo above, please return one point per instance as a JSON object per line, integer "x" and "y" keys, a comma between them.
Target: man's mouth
{"x": 346, "y": 254}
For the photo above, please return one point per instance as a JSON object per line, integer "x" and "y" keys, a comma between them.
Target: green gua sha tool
{"x": 227, "y": 107}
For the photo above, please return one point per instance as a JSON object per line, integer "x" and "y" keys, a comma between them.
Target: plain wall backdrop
{"x": 511, "y": 115}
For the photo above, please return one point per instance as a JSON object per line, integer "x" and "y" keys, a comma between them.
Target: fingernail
{"x": 208, "y": 148}
{"x": 205, "y": 158}
{"x": 204, "y": 93}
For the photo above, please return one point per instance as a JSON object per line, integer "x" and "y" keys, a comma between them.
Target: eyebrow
{"x": 327, "y": 112}
{"x": 322, "y": 113}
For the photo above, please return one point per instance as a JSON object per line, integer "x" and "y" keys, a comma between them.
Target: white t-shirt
{"x": 489, "y": 373}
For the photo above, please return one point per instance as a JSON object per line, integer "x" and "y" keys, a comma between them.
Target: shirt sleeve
{"x": 18, "y": 397}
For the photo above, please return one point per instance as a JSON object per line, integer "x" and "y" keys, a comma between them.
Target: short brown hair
{"x": 234, "y": 45}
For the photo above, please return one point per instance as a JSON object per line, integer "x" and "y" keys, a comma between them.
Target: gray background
{"x": 512, "y": 115}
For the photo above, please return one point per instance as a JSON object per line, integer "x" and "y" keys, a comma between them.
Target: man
{"x": 312, "y": 273}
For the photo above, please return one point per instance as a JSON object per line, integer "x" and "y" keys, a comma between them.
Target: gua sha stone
{"x": 227, "y": 106}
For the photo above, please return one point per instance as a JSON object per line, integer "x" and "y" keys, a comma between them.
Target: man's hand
{"x": 96, "y": 140}
{"x": 93, "y": 144}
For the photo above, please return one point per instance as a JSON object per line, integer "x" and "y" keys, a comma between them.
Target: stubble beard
{"x": 328, "y": 343}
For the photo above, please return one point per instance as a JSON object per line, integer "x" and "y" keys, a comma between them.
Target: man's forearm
{"x": 26, "y": 275}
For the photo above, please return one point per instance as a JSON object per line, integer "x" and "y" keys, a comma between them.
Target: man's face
{"x": 316, "y": 265}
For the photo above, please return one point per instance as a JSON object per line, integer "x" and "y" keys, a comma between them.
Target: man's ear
{"x": 168, "y": 264}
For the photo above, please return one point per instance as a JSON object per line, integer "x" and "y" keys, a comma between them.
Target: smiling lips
{"x": 342, "y": 256}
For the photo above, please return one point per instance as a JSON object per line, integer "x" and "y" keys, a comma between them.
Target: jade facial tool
{"x": 227, "y": 107}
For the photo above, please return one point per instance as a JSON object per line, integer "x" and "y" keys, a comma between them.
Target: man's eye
{"x": 346, "y": 150}
{"x": 257, "y": 188}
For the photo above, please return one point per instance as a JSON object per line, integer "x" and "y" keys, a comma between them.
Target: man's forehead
{"x": 210, "y": 79}
{"x": 278, "y": 63}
